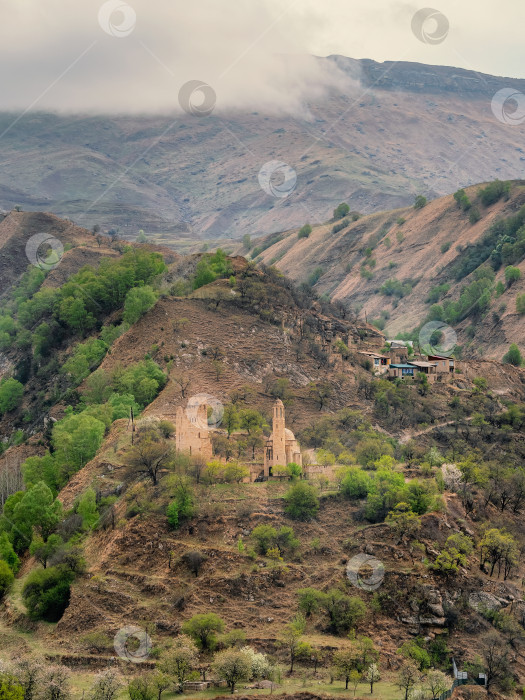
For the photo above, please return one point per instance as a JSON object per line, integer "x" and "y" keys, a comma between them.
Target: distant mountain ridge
{"x": 391, "y": 131}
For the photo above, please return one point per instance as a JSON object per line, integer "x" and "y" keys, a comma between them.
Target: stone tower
{"x": 278, "y": 434}
{"x": 281, "y": 447}
{"x": 191, "y": 431}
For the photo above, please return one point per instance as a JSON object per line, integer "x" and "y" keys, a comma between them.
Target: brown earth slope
{"x": 422, "y": 249}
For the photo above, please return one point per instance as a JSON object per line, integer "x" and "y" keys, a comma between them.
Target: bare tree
{"x": 183, "y": 381}
{"x": 496, "y": 657}
{"x": 150, "y": 455}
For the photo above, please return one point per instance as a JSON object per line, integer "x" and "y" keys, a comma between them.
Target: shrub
{"x": 420, "y": 201}
{"x": 340, "y": 211}
{"x": 520, "y": 304}
{"x": 6, "y": 577}
{"x": 494, "y": 191}
{"x": 462, "y": 200}
{"x": 302, "y": 502}
{"x": 305, "y": 231}
{"x": 340, "y": 226}
{"x": 513, "y": 356}
{"x": 203, "y": 629}
{"x": 474, "y": 215}
{"x": 46, "y": 593}
{"x": 356, "y": 483}
{"x": 445, "y": 247}
{"x": 512, "y": 274}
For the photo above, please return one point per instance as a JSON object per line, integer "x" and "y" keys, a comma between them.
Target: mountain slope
{"x": 388, "y": 132}
{"x": 424, "y": 248}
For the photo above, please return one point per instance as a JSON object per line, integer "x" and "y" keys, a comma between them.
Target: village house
{"x": 445, "y": 365}
{"x": 380, "y": 363}
{"x": 401, "y": 370}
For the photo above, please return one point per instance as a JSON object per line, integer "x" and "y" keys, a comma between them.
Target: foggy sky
{"x": 256, "y": 54}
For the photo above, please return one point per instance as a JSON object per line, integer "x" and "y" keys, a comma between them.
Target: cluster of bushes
{"x": 474, "y": 300}
{"x": 272, "y": 240}
{"x": 343, "y": 612}
{"x": 462, "y": 200}
{"x": 437, "y": 292}
{"x": 212, "y": 267}
{"x": 395, "y": 288}
{"x": 304, "y": 231}
{"x": 218, "y": 473}
{"x": 494, "y": 192}
{"x": 504, "y": 243}
{"x": 340, "y": 225}
{"x": 386, "y": 488}
{"x": 268, "y": 539}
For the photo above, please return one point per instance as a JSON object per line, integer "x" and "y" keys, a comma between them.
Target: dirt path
{"x": 408, "y": 436}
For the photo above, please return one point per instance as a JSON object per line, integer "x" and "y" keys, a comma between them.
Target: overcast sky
{"x": 78, "y": 55}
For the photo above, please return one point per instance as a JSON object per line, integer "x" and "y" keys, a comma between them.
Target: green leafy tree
{"x": 142, "y": 688}
{"x": 73, "y": 311}
{"x": 76, "y": 439}
{"x": 251, "y": 420}
{"x": 11, "y": 393}
{"x": 302, "y": 501}
{"x": 44, "y": 550}
{"x": 203, "y": 629}
{"x": 45, "y": 469}
{"x": 304, "y": 231}
{"x": 38, "y": 509}
{"x": 6, "y": 578}
{"x": 341, "y": 211}
{"x": 46, "y": 593}
{"x": 8, "y": 554}
{"x": 512, "y": 274}
{"x": 291, "y": 638}
{"x": 87, "y": 508}
{"x": 420, "y": 201}
{"x": 181, "y": 660}
{"x": 10, "y": 688}
{"x": 345, "y": 662}
{"x": 355, "y": 483}
{"x": 230, "y": 418}
{"x": 139, "y": 300}
{"x": 412, "y": 650}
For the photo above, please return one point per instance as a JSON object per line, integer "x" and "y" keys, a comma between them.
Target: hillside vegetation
{"x": 458, "y": 260}
{"x": 401, "y": 549}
